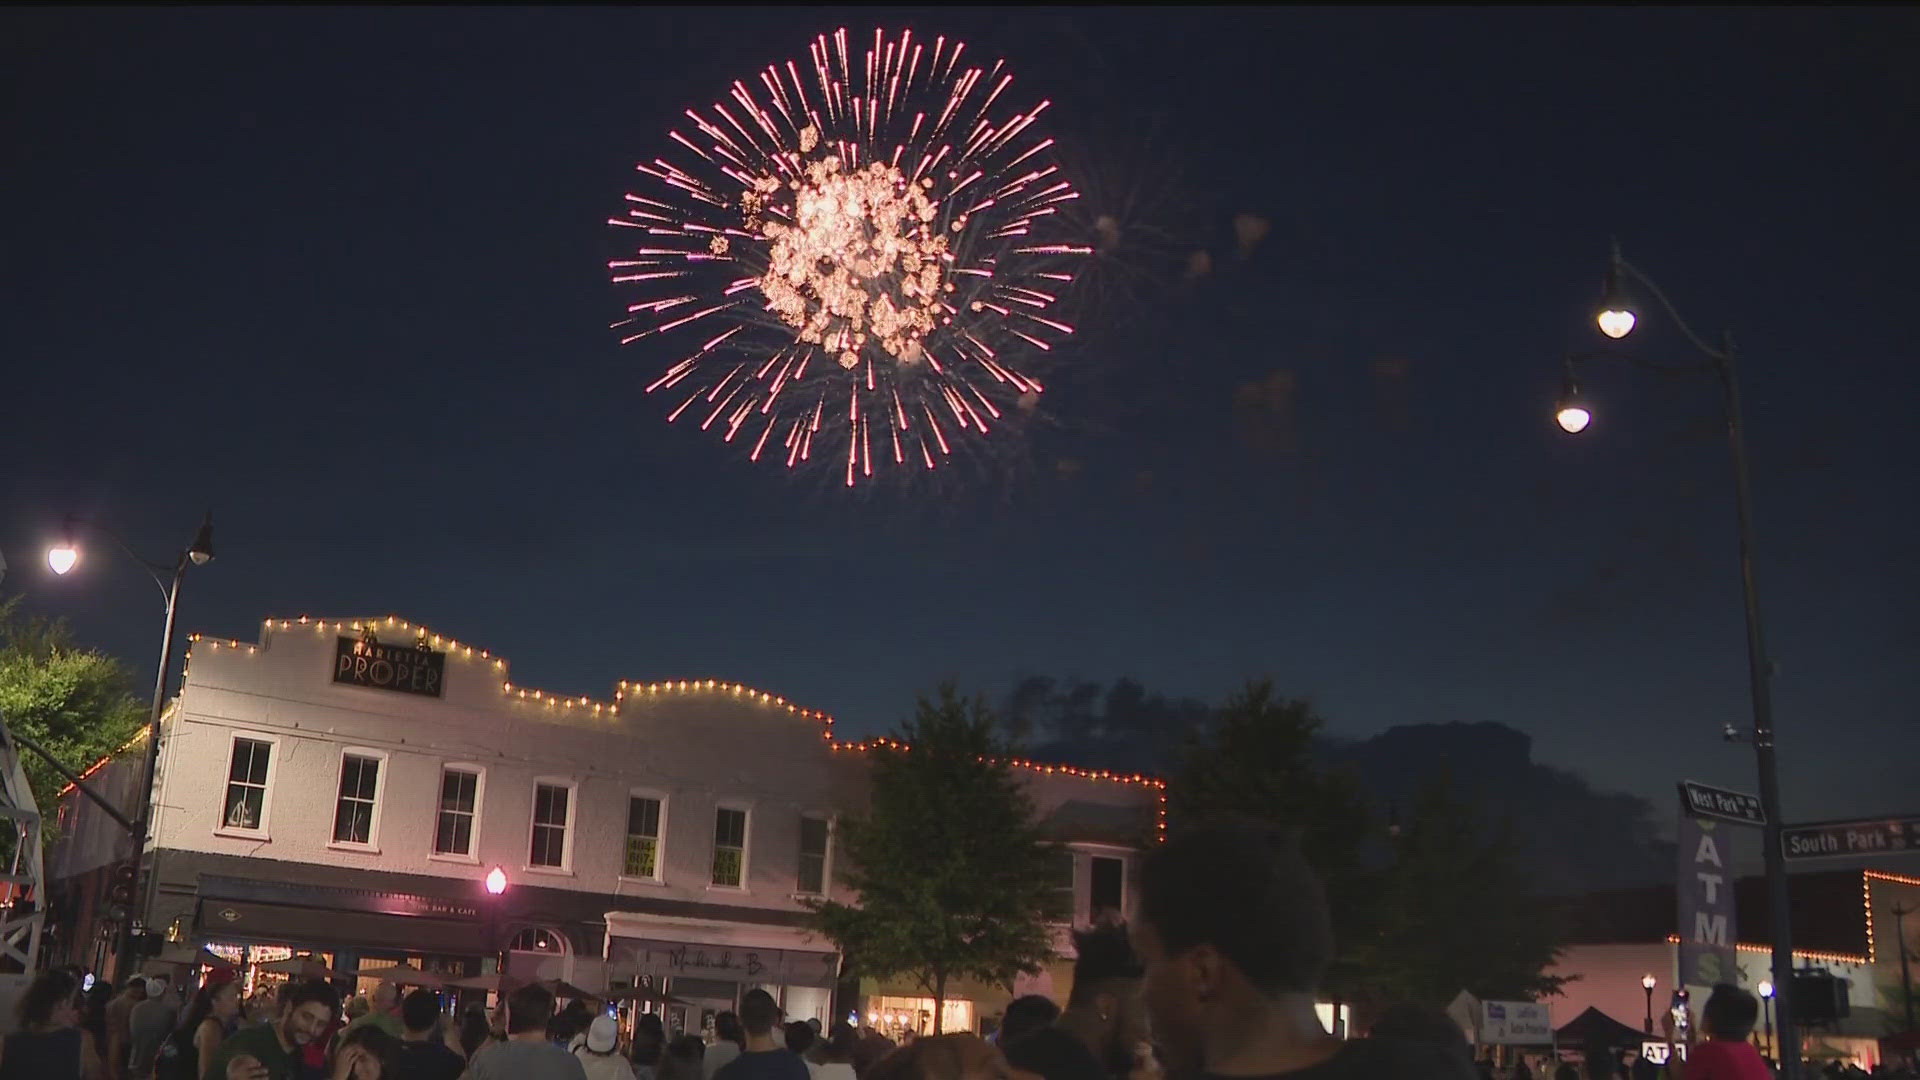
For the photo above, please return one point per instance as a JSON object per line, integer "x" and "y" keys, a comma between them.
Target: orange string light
{"x": 655, "y": 688}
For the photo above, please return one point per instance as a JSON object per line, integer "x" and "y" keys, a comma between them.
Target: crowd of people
{"x": 1216, "y": 978}
{"x": 1720, "y": 1046}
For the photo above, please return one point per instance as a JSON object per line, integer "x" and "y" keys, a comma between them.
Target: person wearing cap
{"x": 766, "y": 1056}
{"x": 600, "y": 1055}
{"x": 148, "y": 1025}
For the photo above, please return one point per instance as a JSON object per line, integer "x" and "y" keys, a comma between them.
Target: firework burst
{"x": 854, "y": 261}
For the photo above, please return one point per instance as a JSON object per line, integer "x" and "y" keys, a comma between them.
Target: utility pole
{"x": 1900, "y": 938}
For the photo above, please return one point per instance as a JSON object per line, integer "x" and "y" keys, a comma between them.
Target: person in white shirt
{"x": 730, "y": 1038}
{"x": 600, "y": 1055}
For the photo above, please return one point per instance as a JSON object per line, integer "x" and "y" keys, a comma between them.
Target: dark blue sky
{"x": 339, "y": 274}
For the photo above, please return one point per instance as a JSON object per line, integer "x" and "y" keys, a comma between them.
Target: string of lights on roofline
{"x": 636, "y": 690}
{"x": 878, "y": 742}
{"x": 1867, "y": 878}
{"x": 1799, "y": 954}
{"x": 138, "y": 737}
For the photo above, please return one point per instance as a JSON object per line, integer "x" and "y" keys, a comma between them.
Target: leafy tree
{"x": 76, "y": 702}
{"x": 1454, "y": 914}
{"x": 1257, "y": 760}
{"x": 954, "y": 876}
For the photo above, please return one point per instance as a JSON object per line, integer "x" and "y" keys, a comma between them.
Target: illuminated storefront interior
{"x": 898, "y": 1016}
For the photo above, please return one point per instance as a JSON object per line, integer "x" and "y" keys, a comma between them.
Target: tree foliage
{"x": 1257, "y": 760}
{"x": 76, "y": 702}
{"x": 1454, "y": 914}
{"x": 1416, "y": 917}
{"x": 955, "y": 879}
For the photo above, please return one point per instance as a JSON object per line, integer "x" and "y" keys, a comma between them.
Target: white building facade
{"x": 343, "y": 787}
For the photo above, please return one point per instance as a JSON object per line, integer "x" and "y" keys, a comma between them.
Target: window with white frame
{"x": 729, "y": 847}
{"x": 246, "y": 801}
{"x": 359, "y": 794}
{"x": 643, "y": 837}
{"x": 1065, "y": 862}
{"x": 815, "y": 834}
{"x": 551, "y": 806}
{"x": 540, "y": 939}
{"x": 459, "y": 808}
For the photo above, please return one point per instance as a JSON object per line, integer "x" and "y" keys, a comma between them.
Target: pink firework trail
{"x": 857, "y": 242}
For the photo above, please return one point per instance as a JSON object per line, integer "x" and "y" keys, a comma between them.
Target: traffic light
{"x": 120, "y": 892}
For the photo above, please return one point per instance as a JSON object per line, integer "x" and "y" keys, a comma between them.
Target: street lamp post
{"x": 496, "y": 887}
{"x": 1616, "y": 319}
{"x": 61, "y": 559}
{"x": 1766, "y": 1004}
{"x": 1647, "y": 983}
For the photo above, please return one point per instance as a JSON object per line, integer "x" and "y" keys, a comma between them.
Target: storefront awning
{"x": 629, "y": 956}
{"x": 328, "y": 928}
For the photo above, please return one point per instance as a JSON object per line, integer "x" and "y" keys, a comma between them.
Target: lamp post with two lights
{"x": 1616, "y": 318}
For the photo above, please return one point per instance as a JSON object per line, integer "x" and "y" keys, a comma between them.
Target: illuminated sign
{"x": 1656, "y": 1052}
{"x": 406, "y": 669}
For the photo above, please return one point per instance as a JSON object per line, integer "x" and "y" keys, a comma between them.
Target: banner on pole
{"x": 1706, "y": 902}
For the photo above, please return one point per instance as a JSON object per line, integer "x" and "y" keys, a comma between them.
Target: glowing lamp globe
{"x": 62, "y": 558}
{"x": 1573, "y": 418}
{"x": 1615, "y": 322}
{"x": 496, "y": 881}
{"x": 1766, "y": 988}
{"x": 1647, "y": 982}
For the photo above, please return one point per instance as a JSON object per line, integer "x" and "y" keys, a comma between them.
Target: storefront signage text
{"x": 782, "y": 966}
{"x": 402, "y": 904}
{"x": 405, "y": 669}
{"x": 691, "y": 958}
{"x": 328, "y": 897}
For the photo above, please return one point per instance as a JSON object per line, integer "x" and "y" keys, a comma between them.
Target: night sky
{"x": 339, "y": 274}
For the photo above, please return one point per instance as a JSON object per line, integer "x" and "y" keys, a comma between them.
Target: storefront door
{"x": 705, "y": 999}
